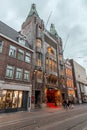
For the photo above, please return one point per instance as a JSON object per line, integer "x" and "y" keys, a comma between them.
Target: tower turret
{"x": 33, "y": 11}
{"x": 53, "y": 30}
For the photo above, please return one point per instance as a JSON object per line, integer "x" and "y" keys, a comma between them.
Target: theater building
{"x": 48, "y": 64}
{"x": 15, "y": 70}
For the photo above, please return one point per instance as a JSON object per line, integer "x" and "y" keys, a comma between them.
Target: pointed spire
{"x": 53, "y": 30}
{"x": 33, "y": 10}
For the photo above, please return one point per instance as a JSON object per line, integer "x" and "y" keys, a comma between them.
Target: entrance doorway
{"x": 38, "y": 98}
{"x": 63, "y": 96}
{"x": 54, "y": 98}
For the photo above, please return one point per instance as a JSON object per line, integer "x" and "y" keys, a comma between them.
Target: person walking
{"x": 64, "y": 104}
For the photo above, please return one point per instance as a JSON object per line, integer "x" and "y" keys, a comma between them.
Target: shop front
{"x": 53, "y": 97}
{"x": 71, "y": 94}
{"x": 12, "y": 100}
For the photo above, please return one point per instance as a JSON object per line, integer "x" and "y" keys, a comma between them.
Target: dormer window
{"x": 21, "y": 41}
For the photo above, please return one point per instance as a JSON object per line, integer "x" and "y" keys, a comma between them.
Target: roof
{"x": 33, "y": 11}
{"x": 11, "y": 33}
{"x": 8, "y": 31}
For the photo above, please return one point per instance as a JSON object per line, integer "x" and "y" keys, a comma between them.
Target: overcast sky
{"x": 69, "y": 17}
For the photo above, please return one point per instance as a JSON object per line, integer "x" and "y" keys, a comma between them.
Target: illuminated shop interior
{"x": 53, "y": 97}
{"x": 11, "y": 99}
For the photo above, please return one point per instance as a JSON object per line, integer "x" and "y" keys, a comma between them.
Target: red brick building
{"x": 15, "y": 70}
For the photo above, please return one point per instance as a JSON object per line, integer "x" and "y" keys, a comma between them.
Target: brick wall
{"x": 5, "y": 60}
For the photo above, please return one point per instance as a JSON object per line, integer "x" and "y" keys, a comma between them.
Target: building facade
{"x": 48, "y": 66}
{"x": 69, "y": 80}
{"x": 80, "y": 81}
{"x": 15, "y": 70}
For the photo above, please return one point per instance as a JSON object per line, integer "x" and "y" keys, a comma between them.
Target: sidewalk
{"x": 35, "y": 112}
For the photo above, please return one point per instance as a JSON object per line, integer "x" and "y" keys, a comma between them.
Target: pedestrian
{"x": 67, "y": 104}
{"x": 64, "y": 104}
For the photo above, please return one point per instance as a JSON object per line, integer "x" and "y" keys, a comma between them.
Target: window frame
{"x": 18, "y": 73}
{"x": 28, "y": 55}
{"x": 27, "y": 73}
{"x": 21, "y": 41}
{"x": 39, "y": 59}
{"x": 20, "y": 52}
{"x": 10, "y": 72}
{"x": 11, "y": 50}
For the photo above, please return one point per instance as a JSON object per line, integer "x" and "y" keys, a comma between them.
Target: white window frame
{"x": 28, "y": 57}
{"x": 27, "y": 75}
{"x": 21, "y": 41}
{"x": 21, "y": 52}
{"x": 10, "y": 71}
{"x": 12, "y": 51}
{"x": 19, "y": 73}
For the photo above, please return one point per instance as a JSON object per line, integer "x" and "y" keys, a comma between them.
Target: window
{"x": 18, "y": 73}
{"x": 39, "y": 76}
{"x": 60, "y": 57}
{"x": 1, "y": 46}
{"x": 50, "y": 50}
{"x": 20, "y": 99}
{"x": 38, "y": 42}
{"x": 2, "y": 99}
{"x": 9, "y": 71}
{"x": 21, "y": 41}
{"x": 28, "y": 57}
{"x": 55, "y": 66}
{"x": 12, "y": 51}
{"x": 47, "y": 64}
{"x": 10, "y": 99}
{"x": 20, "y": 54}
{"x": 50, "y": 64}
{"x": 26, "y": 75}
{"x": 39, "y": 59}
{"x": 14, "y": 99}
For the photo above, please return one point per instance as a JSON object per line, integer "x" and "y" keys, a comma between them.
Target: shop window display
{"x": 10, "y": 99}
{"x": 20, "y": 99}
{"x": 15, "y": 99}
{"x": 2, "y": 99}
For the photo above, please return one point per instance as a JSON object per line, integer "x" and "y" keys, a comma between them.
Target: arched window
{"x": 50, "y": 50}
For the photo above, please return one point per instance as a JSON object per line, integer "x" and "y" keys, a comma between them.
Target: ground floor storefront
{"x": 71, "y": 94}
{"x": 14, "y": 98}
{"x": 53, "y": 97}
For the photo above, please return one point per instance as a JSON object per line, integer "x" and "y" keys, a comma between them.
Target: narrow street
{"x": 46, "y": 119}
